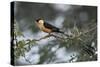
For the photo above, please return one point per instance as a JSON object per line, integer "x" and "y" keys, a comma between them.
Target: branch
{"x": 83, "y": 33}
{"x": 89, "y": 30}
{"x": 62, "y": 38}
{"x": 26, "y": 59}
{"x": 47, "y": 36}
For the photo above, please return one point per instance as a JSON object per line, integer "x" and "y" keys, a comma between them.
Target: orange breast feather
{"x": 43, "y": 28}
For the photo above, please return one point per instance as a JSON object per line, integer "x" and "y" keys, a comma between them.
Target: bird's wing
{"x": 49, "y": 26}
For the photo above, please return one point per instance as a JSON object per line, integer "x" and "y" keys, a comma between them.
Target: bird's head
{"x": 40, "y": 21}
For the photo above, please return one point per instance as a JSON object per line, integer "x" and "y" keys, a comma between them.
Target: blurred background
{"x": 75, "y": 20}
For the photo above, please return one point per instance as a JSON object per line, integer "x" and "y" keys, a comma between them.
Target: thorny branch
{"x": 62, "y": 38}
{"x": 47, "y": 36}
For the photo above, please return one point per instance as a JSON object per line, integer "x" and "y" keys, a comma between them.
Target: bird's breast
{"x": 43, "y": 28}
{"x": 47, "y": 30}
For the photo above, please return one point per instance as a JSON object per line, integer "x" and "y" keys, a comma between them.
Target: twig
{"x": 47, "y": 36}
{"x": 85, "y": 32}
{"x": 52, "y": 35}
{"x": 89, "y": 30}
{"x": 26, "y": 59}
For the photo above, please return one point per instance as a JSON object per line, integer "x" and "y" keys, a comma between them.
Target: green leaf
{"x": 21, "y": 44}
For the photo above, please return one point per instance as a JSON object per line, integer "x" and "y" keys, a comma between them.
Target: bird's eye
{"x": 38, "y": 19}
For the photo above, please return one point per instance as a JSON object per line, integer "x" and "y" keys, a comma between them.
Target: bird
{"x": 46, "y": 27}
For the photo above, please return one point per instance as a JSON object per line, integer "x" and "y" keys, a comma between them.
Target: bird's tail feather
{"x": 63, "y": 33}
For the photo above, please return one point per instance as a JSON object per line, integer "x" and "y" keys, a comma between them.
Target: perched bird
{"x": 46, "y": 27}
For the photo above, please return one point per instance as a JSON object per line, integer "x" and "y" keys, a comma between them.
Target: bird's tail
{"x": 63, "y": 33}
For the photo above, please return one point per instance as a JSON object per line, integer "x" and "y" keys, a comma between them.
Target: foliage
{"x": 84, "y": 41}
{"x": 21, "y": 46}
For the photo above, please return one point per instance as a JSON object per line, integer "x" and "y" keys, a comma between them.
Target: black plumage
{"x": 53, "y": 28}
